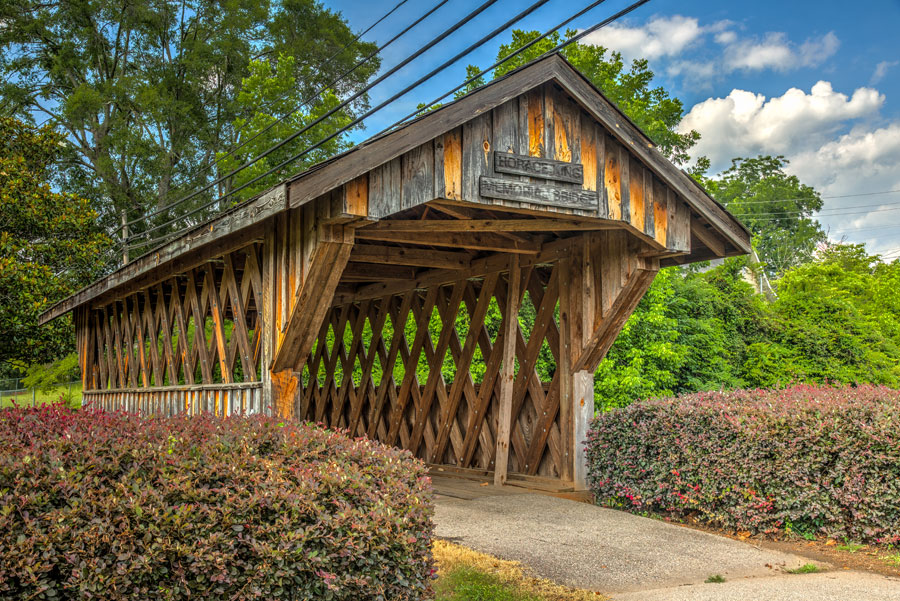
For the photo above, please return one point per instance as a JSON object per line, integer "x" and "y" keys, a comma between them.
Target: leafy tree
{"x": 652, "y": 109}
{"x": 146, "y": 92}
{"x": 775, "y": 206}
{"x": 690, "y": 332}
{"x": 50, "y": 244}
{"x": 838, "y": 321}
{"x": 265, "y": 94}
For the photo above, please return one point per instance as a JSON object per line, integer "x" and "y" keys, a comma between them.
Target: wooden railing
{"x": 220, "y": 399}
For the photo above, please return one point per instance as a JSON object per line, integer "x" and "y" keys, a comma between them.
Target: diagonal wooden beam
{"x": 603, "y": 337}
{"x": 476, "y": 318}
{"x": 708, "y": 237}
{"x": 313, "y": 298}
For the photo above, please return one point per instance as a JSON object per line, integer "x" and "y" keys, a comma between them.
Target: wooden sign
{"x": 545, "y": 194}
{"x": 517, "y": 164}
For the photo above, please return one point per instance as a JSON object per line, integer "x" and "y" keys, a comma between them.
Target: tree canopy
{"x": 836, "y": 320}
{"x": 148, "y": 93}
{"x": 775, "y": 206}
{"x": 50, "y": 244}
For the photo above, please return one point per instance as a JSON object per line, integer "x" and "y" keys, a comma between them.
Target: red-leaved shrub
{"x": 98, "y": 505}
{"x": 813, "y": 460}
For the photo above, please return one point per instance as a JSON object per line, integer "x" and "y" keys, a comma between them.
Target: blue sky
{"x": 818, "y": 82}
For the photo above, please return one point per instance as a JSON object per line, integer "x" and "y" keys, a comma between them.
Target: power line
{"x": 789, "y": 214}
{"x": 557, "y": 48}
{"x": 368, "y": 113}
{"x": 866, "y": 228}
{"x": 748, "y": 202}
{"x": 794, "y": 211}
{"x": 303, "y": 103}
{"x": 510, "y": 56}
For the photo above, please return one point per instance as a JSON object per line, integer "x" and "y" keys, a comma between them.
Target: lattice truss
{"x": 420, "y": 371}
{"x": 199, "y": 327}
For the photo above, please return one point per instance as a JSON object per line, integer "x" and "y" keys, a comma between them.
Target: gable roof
{"x": 244, "y": 220}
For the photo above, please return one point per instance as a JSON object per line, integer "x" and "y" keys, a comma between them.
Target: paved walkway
{"x": 638, "y": 559}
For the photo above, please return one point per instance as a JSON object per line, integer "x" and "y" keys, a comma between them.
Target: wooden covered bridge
{"x": 378, "y": 291}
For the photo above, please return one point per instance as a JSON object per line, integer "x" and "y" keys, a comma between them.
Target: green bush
{"x": 811, "y": 460}
{"x": 97, "y": 505}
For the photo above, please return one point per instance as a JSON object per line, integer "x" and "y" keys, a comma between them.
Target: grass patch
{"x": 715, "y": 579}
{"x": 850, "y": 547}
{"x": 892, "y": 559}
{"x": 809, "y": 568}
{"x": 467, "y": 575}
{"x": 23, "y": 398}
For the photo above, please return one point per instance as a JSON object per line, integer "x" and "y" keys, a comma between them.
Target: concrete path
{"x": 638, "y": 559}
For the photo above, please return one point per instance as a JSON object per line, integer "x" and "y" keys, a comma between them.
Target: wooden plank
{"x": 637, "y": 211}
{"x": 473, "y": 241}
{"x": 647, "y": 195}
{"x": 417, "y": 176}
{"x": 660, "y": 212}
{"x": 392, "y": 255}
{"x": 507, "y": 373}
{"x": 487, "y": 225}
{"x": 505, "y": 123}
{"x": 534, "y": 107}
{"x": 679, "y": 224}
{"x": 613, "y": 183}
{"x": 542, "y": 194}
{"x": 476, "y": 154}
{"x": 367, "y": 272}
{"x": 448, "y": 165}
{"x": 356, "y": 196}
{"x": 517, "y": 164}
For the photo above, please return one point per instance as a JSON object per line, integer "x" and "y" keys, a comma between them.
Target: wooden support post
{"x": 313, "y": 297}
{"x": 576, "y": 387}
{"x": 284, "y": 390}
{"x": 507, "y": 374}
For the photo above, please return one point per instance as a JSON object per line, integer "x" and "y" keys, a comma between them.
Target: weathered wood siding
{"x": 203, "y": 339}
{"x": 547, "y": 124}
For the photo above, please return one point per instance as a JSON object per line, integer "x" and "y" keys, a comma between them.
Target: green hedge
{"x": 98, "y": 505}
{"x": 817, "y": 461}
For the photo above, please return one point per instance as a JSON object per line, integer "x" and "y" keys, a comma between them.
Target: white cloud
{"x": 746, "y": 124}
{"x": 772, "y": 51}
{"x": 776, "y": 51}
{"x": 670, "y": 37}
{"x": 862, "y": 161}
{"x": 660, "y": 36}
{"x": 831, "y": 143}
{"x": 881, "y": 70}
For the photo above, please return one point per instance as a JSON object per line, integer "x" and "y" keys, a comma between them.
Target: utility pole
{"x": 124, "y": 238}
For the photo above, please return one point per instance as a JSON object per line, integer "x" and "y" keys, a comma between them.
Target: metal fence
{"x": 14, "y": 392}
